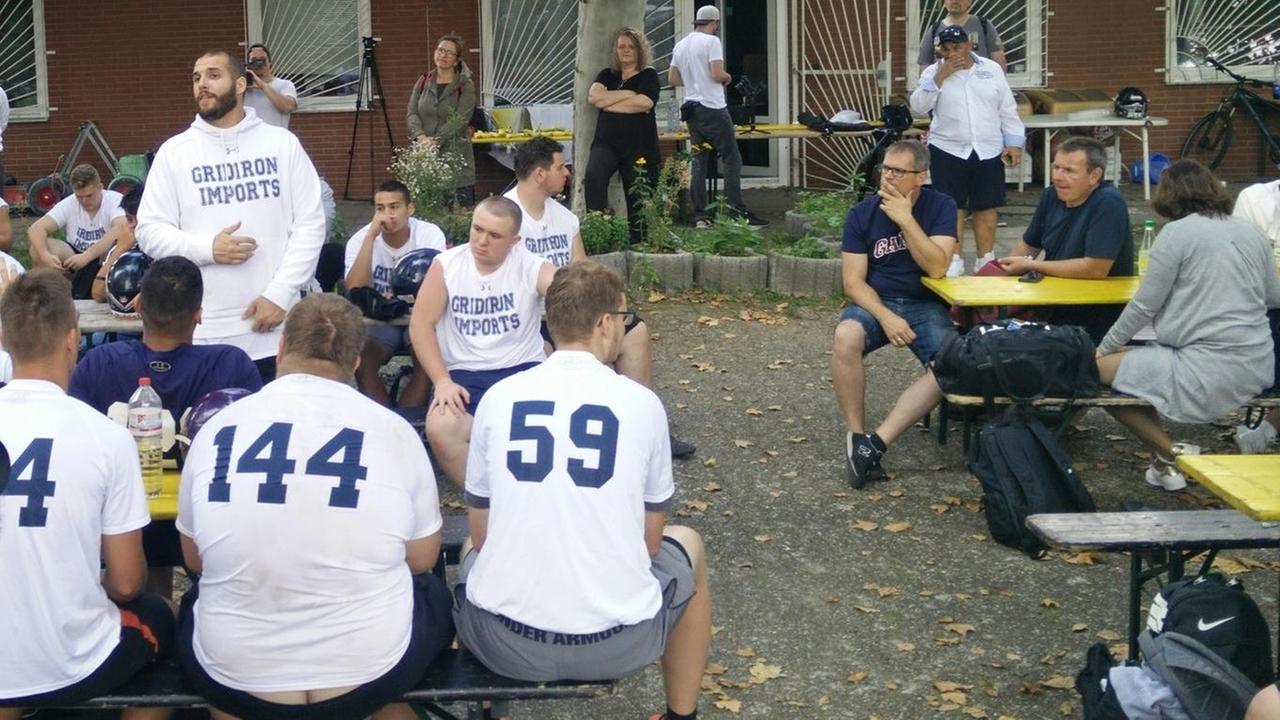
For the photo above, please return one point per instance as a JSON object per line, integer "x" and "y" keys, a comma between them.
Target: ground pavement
{"x": 891, "y": 602}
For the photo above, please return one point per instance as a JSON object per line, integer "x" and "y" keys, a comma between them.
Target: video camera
{"x": 256, "y": 65}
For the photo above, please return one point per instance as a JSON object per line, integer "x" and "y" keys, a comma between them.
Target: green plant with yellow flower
{"x": 656, "y": 202}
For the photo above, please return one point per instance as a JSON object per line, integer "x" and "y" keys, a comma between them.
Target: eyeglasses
{"x": 891, "y": 171}
{"x": 628, "y": 316}
{"x": 446, "y": 51}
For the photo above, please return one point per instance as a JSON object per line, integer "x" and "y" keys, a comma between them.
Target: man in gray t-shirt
{"x": 986, "y": 39}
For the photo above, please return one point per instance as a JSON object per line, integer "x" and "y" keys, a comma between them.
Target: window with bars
{"x": 530, "y": 48}
{"x": 1244, "y": 36}
{"x": 22, "y": 67}
{"x": 1020, "y": 23}
{"x": 316, "y": 44}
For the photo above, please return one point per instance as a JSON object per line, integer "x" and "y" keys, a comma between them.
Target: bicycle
{"x": 1210, "y": 137}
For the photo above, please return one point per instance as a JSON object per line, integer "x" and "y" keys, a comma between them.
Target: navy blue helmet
{"x": 407, "y": 275}
{"x": 124, "y": 280}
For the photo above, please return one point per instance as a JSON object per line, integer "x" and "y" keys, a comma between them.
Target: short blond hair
{"x": 84, "y": 175}
{"x": 579, "y": 294}
{"x": 36, "y": 312}
{"x": 325, "y": 328}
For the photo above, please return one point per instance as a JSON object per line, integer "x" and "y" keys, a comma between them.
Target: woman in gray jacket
{"x": 440, "y": 108}
{"x": 1206, "y": 290}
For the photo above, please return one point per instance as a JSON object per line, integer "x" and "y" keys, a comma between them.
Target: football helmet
{"x": 1131, "y": 104}
{"x": 207, "y": 406}
{"x": 407, "y": 275}
{"x": 124, "y": 280}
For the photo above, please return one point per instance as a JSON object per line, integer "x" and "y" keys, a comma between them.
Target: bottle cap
{"x": 144, "y": 381}
{"x": 1149, "y": 224}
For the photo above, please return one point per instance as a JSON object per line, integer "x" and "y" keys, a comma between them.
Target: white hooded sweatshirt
{"x": 206, "y": 179}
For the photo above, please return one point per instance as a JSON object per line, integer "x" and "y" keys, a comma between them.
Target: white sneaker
{"x": 979, "y": 262}
{"x": 956, "y": 268}
{"x": 1252, "y": 441}
{"x": 1168, "y": 478}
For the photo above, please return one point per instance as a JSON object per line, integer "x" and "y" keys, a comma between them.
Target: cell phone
{"x": 1031, "y": 276}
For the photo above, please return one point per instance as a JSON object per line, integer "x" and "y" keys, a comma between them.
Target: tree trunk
{"x": 597, "y": 21}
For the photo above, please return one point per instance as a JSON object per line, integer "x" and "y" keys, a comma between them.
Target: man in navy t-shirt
{"x": 169, "y": 301}
{"x": 1083, "y": 228}
{"x": 891, "y": 241}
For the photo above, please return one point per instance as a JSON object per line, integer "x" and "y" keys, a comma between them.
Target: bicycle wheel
{"x": 1209, "y": 139}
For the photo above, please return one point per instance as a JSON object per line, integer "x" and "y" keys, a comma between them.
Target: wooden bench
{"x": 972, "y": 406}
{"x": 455, "y": 677}
{"x": 1162, "y": 541}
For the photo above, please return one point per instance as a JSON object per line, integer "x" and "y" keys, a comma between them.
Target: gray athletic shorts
{"x": 518, "y": 651}
{"x": 393, "y": 337}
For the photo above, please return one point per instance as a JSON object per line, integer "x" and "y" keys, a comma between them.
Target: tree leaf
{"x": 857, "y": 677}
{"x": 897, "y": 527}
{"x": 728, "y": 703}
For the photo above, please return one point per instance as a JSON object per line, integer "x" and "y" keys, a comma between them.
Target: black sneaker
{"x": 681, "y": 449}
{"x": 754, "y": 220}
{"x": 861, "y": 460}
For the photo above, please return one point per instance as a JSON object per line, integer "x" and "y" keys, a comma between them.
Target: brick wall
{"x": 1109, "y": 45}
{"x": 137, "y": 92}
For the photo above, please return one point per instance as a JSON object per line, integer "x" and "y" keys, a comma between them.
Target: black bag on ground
{"x": 1023, "y": 471}
{"x": 1097, "y": 697}
{"x": 1020, "y": 360}
{"x": 1219, "y": 614}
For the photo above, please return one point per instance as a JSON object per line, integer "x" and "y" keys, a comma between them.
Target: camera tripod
{"x": 369, "y": 78}
{"x": 750, "y": 92}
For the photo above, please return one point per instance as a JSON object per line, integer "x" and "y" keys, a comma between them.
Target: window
{"x": 316, "y": 44}
{"x": 22, "y": 66}
{"x": 1241, "y": 35}
{"x": 531, "y": 45}
{"x": 1020, "y": 23}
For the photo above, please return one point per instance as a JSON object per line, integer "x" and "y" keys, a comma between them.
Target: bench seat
{"x": 1162, "y": 540}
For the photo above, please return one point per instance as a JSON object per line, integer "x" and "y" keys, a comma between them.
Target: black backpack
{"x": 1021, "y": 360}
{"x": 1220, "y": 614}
{"x": 1023, "y": 471}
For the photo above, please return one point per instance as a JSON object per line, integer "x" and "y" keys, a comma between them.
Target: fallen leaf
{"x": 1049, "y": 603}
{"x": 744, "y": 652}
{"x": 761, "y": 538}
{"x": 885, "y": 592}
{"x": 655, "y": 296}
{"x": 761, "y": 673}
{"x": 1030, "y": 689}
{"x": 743, "y": 443}
{"x": 943, "y": 686}
{"x": 1059, "y": 682}
{"x": 774, "y": 408}
{"x": 1079, "y": 627}
{"x": 961, "y": 629}
{"x": 831, "y": 599}
{"x": 1108, "y": 635}
{"x": 905, "y": 647}
{"x": 1083, "y": 558}
{"x": 710, "y": 462}
{"x": 937, "y": 467}
{"x": 712, "y": 486}
{"x": 755, "y": 412}
{"x": 716, "y": 668}
{"x": 866, "y": 609}
{"x": 898, "y": 527}
{"x": 896, "y": 493}
{"x": 939, "y": 508}
{"x": 857, "y": 677}
{"x": 865, "y": 525}
{"x": 957, "y": 698}
{"x": 698, "y": 505}
{"x": 728, "y": 703}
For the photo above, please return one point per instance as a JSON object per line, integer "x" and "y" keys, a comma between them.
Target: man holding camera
{"x": 273, "y": 98}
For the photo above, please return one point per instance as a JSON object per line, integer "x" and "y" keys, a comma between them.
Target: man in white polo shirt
{"x": 371, "y": 257}
{"x": 475, "y": 322}
{"x": 697, "y": 64}
{"x": 572, "y": 574}
{"x": 311, "y": 514}
{"x": 72, "y": 503}
{"x": 91, "y": 217}
{"x": 974, "y": 131}
{"x": 550, "y": 230}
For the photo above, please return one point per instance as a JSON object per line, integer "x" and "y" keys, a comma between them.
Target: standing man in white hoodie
{"x": 241, "y": 199}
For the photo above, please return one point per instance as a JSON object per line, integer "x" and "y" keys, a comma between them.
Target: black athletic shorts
{"x": 432, "y": 632}
{"x": 974, "y": 184}
{"x": 146, "y": 632}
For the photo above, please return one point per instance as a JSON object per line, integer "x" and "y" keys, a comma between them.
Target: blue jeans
{"x": 928, "y": 319}
{"x": 715, "y": 127}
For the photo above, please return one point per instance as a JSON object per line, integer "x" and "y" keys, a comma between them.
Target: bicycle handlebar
{"x": 1238, "y": 78}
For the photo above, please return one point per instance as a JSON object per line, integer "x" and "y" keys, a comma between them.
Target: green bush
{"x": 809, "y": 247}
{"x": 729, "y": 236}
{"x": 827, "y": 209}
{"x": 603, "y": 232}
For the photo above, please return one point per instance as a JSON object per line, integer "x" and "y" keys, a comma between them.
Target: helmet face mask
{"x": 1131, "y": 104}
{"x": 124, "y": 281}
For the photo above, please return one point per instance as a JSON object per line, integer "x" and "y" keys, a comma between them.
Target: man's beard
{"x": 223, "y": 105}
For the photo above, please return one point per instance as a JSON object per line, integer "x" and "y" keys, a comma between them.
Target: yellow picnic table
{"x": 1249, "y": 483}
{"x": 165, "y": 505}
{"x": 996, "y": 291}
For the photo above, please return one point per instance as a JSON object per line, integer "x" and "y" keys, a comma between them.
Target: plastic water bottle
{"x": 1144, "y": 250}
{"x": 146, "y": 426}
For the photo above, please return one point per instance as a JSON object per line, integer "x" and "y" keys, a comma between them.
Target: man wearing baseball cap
{"x": 697, "y": 64}
{"x": 975, "y": 126}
